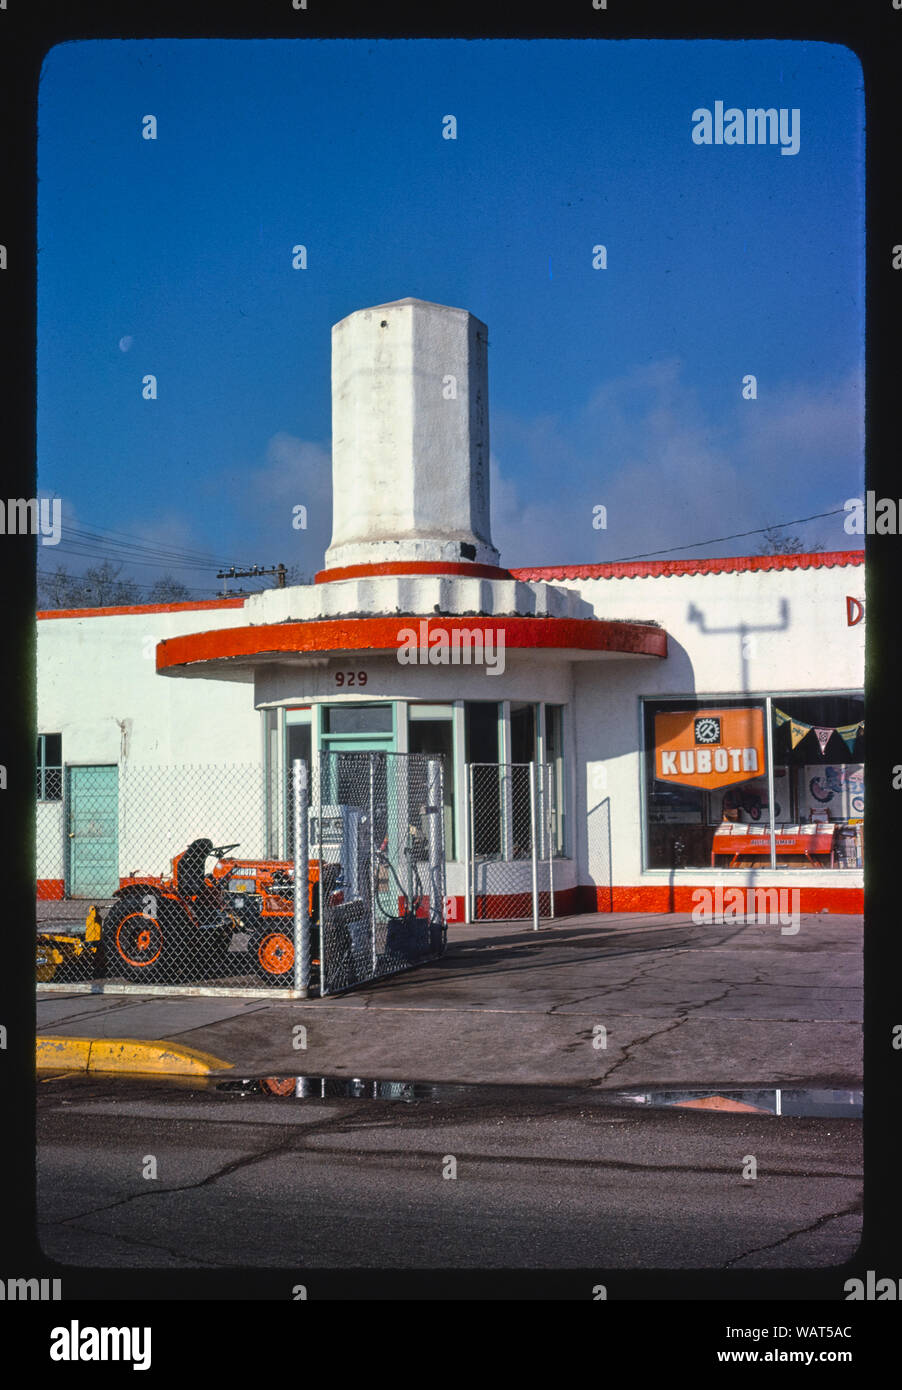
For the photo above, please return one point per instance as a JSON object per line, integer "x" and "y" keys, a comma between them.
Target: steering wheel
{"x": 221, "y": 850}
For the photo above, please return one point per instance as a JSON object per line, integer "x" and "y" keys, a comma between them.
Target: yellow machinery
{"x": 62, "y": 953}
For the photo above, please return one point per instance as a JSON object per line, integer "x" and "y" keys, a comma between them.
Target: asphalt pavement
{"x": 154, "y": 1174}
{"x": 613, "y": 1000}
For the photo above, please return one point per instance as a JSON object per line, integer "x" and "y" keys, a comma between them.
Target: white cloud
{"x": 294, "y": 472}
{"x": 644, "y": 447}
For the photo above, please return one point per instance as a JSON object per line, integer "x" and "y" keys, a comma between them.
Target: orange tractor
{"x": 242, "y": 912}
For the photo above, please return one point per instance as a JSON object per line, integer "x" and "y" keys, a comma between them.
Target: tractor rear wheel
{"x": 141, "y": 947}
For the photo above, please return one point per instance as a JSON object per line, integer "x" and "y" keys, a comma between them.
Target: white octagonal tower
{"x": 410, "y": 439}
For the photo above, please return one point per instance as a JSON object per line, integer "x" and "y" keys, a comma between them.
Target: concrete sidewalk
{"x": 618, "y": 999}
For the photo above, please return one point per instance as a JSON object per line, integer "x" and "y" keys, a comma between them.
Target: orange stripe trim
{"x": 679, "y": 897}
{"x": 729, "y": 564}
{"x": 373, "y": 571}
{"x": 189, "y": 606}
{"x": 383, "y": 634}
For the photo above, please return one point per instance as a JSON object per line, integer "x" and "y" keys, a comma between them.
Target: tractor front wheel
{"x": 274, "y": 952}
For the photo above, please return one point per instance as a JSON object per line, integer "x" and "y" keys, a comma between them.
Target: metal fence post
{"x": 547, "y": 820}
{"x": 301, "y": 801}
{"x": 373, "y": 867}
{"x": 469, "y": 855}
{"x": 435, "y": 811}
{"x": 535, "y": 847}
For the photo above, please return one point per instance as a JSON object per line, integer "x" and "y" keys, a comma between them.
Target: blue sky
{"x": 619, "y": 386}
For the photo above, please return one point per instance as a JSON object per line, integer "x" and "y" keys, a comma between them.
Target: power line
{"x": 84, "y": 543}
{"x": 91, "y": 543}
{"x": 104, "y": 541}
{"x": 131, "y": 538}
{"x": 141, "y": 591}
{"x": 779, "y": 526}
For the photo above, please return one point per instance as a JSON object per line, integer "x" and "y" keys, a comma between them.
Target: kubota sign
{"x": 709, "y": 748}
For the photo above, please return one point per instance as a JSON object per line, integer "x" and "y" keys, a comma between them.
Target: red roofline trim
{"x": 382, "y": 634}
{"x": 142, "y": 608}
{"x": 728, "y": 564}
{"x": 623, "y": 569}
{"x": 380, "y": 569}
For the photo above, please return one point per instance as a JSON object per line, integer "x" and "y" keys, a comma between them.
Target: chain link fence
{"x": 157, "y": 878}
{"x": 379, "y": 835}
{"x": 510, "y": 840}
{"x": 173, "y": 860}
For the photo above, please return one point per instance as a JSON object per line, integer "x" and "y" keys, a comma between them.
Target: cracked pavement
{"x": 681, "y": 1004}
{"x": 544, "y": 1178}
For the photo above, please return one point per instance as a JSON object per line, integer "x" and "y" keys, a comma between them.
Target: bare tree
{"x": 168, "y": 590}
{"x": 295, "y": 575}
{"x": 99, "y": 587}
{"x": 55, "y": 590}
{"x": 104, "y": 588}
{"x": 775, "y": 543}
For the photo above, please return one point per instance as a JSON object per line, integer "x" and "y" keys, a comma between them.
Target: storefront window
{"x": 482, "y": 727}
{"x": 482, "y": 724}
{"x": 819, "y": 749}
{"x": 708, "y": 785}
{"x": 273, "y": 782}
{"x": 297, "y": 745}
{"x": 357, "y": 719}
{"x": 698, "y": 753}
{"x": 430, "y": 730}
{"x": 50, "y": 767}
{"x": 554, "y": 754}
{"x": 523, "y": 732}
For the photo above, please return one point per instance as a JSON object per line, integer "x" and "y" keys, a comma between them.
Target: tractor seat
{"x": 189, "y": 879}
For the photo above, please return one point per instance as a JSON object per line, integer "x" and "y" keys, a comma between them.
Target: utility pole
{"x": 254, "y": 572}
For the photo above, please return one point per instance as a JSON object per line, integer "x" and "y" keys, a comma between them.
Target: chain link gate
{"x": 510, "y": 841}
{"x": 155, "y": 878}
{"x": 379, "y": 834}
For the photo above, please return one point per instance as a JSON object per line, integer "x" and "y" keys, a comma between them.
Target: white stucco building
{"x": 684, "y": 707}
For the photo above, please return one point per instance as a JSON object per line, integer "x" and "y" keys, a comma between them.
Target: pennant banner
{"x": 797, "y": 731}
{"x": 849, "y": 733}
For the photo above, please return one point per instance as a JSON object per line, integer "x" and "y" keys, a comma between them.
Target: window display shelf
{"x": 806, "y": 841}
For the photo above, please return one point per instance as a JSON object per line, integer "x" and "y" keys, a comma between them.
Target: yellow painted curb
{"x": 70, "y": 1054}
{"x": 125, "y": 1055}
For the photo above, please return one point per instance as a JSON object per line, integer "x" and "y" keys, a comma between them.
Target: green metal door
{"x": 353, "y": 728}
{"x": 361, "y": 728}
{"x": 93, "y": 831}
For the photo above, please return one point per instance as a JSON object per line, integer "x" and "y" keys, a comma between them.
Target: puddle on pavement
{"x": 809, "y": 1102}
{"x": 343, "y": 1088}
{"x": 796, "y": 1103}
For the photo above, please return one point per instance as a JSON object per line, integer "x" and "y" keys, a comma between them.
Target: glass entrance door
{"x": 358, "y": 728}
{"x": 353, "y": 729}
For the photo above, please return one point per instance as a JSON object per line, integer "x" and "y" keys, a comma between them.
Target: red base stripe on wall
{"x": 589, "y": 898}
{"x": 664, "y": 897}
{"x": 50, "y": 890}
{"x": 568, "y": 902}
